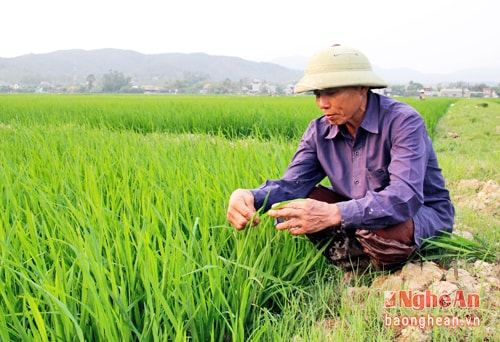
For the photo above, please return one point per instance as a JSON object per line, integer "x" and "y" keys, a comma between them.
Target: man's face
{"x": 345, "y": 105}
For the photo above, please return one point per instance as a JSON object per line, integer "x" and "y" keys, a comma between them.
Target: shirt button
{"x": 356, "y": 153}
{"x": 356, "y": 181}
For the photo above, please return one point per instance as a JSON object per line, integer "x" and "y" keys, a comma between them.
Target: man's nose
{"x": 323, "y": 102}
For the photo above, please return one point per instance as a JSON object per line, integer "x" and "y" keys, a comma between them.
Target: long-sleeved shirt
{"x": 389, "y": 171}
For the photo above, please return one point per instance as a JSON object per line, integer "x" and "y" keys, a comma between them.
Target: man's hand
{"x": 306, "y": 217}
{"x": 241, "y": 209}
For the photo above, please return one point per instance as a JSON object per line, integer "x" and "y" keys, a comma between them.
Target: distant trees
{"x": 90, "y": 81}
{"x": 202, "y": 83}
{"x": 413, "y": 88}
{"x": 398, "y": 89}
{"x": 114, "y": 81}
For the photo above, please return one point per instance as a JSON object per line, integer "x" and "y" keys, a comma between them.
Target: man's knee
{"x": 384, "y": 253}
{"x": 402, "y": 232}
{"x": 387, "y": 248}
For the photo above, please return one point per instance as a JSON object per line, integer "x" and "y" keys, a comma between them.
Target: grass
{"x": 231, "y": 117}
{"x": 120, "y": 237}
{"x": 466, "y": 143}
{"x": 112, "y": 216}
{"x": 460, "y": 159}
{"x": 449, "y": 247}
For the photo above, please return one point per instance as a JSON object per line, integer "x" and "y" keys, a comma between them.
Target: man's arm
{"x": 302, "y": 174}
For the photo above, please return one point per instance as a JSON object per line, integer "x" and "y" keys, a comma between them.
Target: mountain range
{"x": 67, "y": 67}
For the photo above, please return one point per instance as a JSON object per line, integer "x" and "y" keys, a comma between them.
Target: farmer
{"x": 387, "y": 193}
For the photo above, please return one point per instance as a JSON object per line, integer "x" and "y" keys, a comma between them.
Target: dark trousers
{"x": 388, "y": 248}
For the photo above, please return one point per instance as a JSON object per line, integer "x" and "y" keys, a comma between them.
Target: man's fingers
{"x": 247, "y": 213}
{"x": 292, "y": 227}
{"x": 240, "y": 219}
{"x": 285, "y": 211}
{"x": 241, "y": 209}
{"x": 296, "y": 231}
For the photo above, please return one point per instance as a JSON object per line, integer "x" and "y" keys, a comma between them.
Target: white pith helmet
{"x": 338, "y": 66}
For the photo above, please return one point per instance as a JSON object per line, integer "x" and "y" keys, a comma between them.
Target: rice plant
{"x": 112, "y": 222}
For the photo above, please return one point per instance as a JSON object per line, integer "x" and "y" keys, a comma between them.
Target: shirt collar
{"x": 370, "y": 121}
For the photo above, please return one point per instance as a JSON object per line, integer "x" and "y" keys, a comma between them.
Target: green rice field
{"x": 113, "y": 220}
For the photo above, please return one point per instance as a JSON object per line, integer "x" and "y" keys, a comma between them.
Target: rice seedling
{"x": 448, "y": 247}
{"x": 112, "y": 216}
{"x": 231, "y": 117}
{"x": 121, "y": 237}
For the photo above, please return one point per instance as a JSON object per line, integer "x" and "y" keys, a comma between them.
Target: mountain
{"x": 475, "y": 75}
{"x": 70, "y": 67}
{"x": 73, "y": 67}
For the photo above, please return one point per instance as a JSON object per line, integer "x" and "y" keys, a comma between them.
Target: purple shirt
{"x": 390, "y": 171}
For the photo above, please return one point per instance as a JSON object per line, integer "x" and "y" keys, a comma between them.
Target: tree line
{"x": 201, "y": 83}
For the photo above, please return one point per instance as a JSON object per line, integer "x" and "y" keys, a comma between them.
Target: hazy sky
{"x": 426, "y": 35}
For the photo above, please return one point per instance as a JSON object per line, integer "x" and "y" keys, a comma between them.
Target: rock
{"x": 493, "y": 281}
{"x": 413, "y": 334}
{"x": 418, "y": 277}
{"x": 469, "y": 284}
{"x": 428, "y": 279}
{"x": 414, "y": 276}
{"x": 454, "y": 274}
{"x": 489, "y": 196}
{"x": 484, "y": 269}
{"x": 473, "y": 184}
{"x": 486, "y": 197}
{"x": 440, "y": 287}
{"x": 491, "y": 187}
{"x": 388, "y": 283}
{"x": 463, "y": 234}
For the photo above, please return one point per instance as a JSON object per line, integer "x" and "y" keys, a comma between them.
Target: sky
{"x": 431, "y": 36}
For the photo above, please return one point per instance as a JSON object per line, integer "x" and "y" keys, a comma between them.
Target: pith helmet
{"x": 338, "y": 66}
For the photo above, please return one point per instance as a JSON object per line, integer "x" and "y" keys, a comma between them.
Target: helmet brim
{"x": 365, "y": 78}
